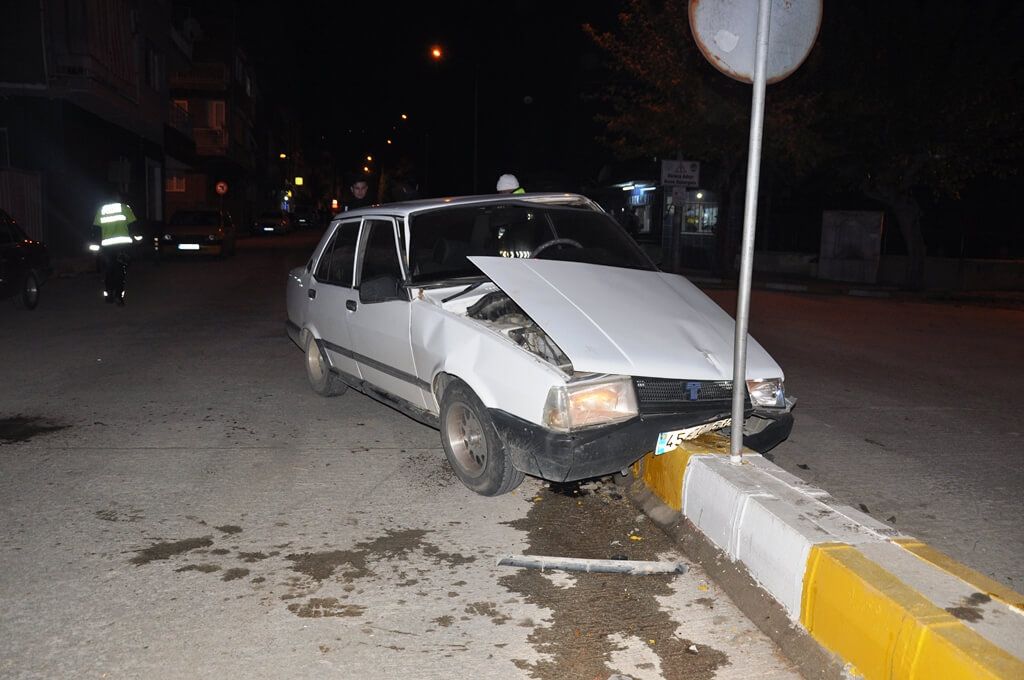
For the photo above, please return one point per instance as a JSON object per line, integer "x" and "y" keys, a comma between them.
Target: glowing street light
{"x": 436, "y": 53}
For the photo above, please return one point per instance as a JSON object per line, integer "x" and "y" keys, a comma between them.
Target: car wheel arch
{"x": 472, "y": 445}
{"x": 444, "y": 379}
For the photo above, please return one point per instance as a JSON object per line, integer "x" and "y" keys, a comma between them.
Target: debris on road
{"x": 635, "y": 567}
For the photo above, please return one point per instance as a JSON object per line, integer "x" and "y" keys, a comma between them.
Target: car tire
{"x": 28, "y": 292}
{"x": 472, "y": 446}
{"x": 322, "y": 379}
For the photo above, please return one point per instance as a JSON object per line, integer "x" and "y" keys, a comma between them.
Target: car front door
{"x": 380, "y": 324}
{"x": 332, "y": 298}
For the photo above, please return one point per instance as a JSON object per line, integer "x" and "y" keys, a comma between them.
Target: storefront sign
{"x": 680, "y": 173}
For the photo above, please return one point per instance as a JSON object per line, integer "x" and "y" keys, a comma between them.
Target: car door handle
{"x": 312, "y": 293}
{"x": 350, "y": 305}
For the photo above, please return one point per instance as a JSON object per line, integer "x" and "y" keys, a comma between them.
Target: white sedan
{"x": 530, "y": 330}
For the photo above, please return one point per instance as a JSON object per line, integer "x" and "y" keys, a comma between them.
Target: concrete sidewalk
{"x": 1007, "y": 299}
{"x": 833, "y": 587}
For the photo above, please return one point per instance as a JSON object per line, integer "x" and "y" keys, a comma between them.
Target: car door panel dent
{"x": 495, "y": 368}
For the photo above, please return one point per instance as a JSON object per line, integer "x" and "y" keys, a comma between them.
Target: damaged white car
{"x": 530, "y": 330}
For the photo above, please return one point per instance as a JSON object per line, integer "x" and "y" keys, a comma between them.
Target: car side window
{"x": 337, "y": 262}
{"x": 380, "y": 258}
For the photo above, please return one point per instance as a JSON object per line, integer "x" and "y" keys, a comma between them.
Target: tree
{"x": 665, "y": 99}
{"x": 922, "y": 98}
{"x": 904, "y": 101}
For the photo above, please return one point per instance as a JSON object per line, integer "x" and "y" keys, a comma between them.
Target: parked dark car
{"x": 199, "y": 232}
{"x": 24, "y": 264}
{"x": 304, "y": 217}
{"x": 272, "y": 222}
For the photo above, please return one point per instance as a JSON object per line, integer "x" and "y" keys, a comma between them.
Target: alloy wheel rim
{"x": 315, "y": 360}
{"x": 466, "y": 439}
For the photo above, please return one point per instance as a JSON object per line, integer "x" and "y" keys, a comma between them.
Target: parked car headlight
{"x": 769, "y": 393}
{"x": 604, "y": 400}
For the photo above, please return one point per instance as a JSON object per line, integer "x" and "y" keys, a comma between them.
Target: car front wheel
{"x": 472, "y": 445}
{"x": 324, "y": 382}
{"x": 28, "y": 294}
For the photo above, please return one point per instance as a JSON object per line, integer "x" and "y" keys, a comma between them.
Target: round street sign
{"x": 726, "y": 32}
{"x": 222, "y": 188}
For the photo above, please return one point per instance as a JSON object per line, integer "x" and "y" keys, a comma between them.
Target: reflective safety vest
{"x": 113, "y": 220}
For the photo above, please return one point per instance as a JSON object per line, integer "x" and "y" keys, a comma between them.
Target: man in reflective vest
{"x": 112, "y": 222}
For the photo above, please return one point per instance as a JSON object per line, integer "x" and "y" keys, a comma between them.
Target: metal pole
{"x": 739, "y": 365}
{"x": 476, "y": 121}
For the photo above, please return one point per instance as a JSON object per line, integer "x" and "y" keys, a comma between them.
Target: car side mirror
{"x": 381, "y": 289}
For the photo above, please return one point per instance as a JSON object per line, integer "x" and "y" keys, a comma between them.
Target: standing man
{"x": 360, "y": 199}
{"x": 111, "y": 226}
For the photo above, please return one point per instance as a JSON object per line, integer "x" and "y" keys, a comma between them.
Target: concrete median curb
{"x": 878, "y": 603}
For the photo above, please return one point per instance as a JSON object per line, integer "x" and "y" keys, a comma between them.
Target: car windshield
{"x": 440, "y": 240}
{"x": 271, "y": 215}
{"x": 194, "y": 218}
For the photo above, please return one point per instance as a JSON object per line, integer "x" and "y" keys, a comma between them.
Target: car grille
{"x": 659, "y": 395}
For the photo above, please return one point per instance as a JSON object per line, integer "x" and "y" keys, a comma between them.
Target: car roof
{"x": 406, "y": 208}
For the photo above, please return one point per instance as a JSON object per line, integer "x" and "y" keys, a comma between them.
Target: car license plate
{"x": 188, "y": 246}
{"x": 674, "y": 439}
{"x": 268, "y": 229}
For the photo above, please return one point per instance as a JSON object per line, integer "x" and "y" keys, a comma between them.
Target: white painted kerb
{"x": 762, "y": 516}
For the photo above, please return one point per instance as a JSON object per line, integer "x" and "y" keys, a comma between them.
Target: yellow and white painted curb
{"x": 883, "y": 603}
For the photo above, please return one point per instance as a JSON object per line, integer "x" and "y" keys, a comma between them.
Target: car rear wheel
{"x": 324, "y": 382}
{"x": 472, "y": 445}
{"x": 28, "y": 295}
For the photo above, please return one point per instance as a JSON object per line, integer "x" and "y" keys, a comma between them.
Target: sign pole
{"x": 739, "y": 367}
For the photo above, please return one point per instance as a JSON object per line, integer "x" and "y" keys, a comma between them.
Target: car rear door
{"x": 380, "y": 323}
{"x": 332, "y": 297}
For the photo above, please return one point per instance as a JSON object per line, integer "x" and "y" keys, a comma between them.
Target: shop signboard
{"x": 680, "y": 173}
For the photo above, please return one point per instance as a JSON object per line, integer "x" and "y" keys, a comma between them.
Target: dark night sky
{"x": 517, "y": 72}
{"x": 514, "y": 70}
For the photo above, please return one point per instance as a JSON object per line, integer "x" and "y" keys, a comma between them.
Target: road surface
{"x": 177, "y": 503}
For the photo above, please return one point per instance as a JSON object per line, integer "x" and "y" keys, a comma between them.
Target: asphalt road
{"x": 176, "y": 502}
{"x": 909, "y": 410}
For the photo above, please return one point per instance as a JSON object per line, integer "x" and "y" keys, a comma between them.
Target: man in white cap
{"x": 508, "y": 184}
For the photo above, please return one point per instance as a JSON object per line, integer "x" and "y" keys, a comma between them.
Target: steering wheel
{"x": 554, "y": 242}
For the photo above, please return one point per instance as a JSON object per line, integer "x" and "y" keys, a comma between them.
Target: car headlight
{"x": 769, "y": 393}
{"x": 599, "y": 401}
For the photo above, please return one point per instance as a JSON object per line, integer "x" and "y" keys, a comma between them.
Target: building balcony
{"x": 202, "y": 76}
{"x": 211, "y": 141}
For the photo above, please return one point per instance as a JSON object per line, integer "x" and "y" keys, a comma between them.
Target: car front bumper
{"x": 603, "y": 450}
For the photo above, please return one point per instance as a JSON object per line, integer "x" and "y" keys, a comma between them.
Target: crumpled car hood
{"x": 626, "y": 321}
